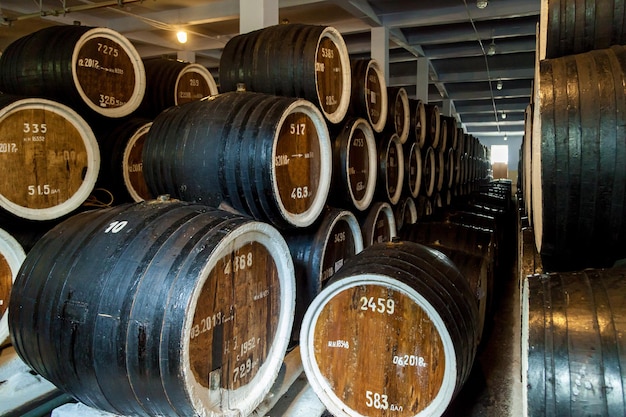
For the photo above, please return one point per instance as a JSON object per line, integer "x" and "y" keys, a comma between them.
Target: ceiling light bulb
{"x": 505, "y": 137}
{"x": 503, "y": 116}
{"x": 481, "y": 4}
{"x": 499, "y": 86}
{"x": 492, "y": 49}
{"x": 181, "y": 35}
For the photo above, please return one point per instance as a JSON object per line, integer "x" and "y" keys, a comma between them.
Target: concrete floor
{"x": 494, "y": 388}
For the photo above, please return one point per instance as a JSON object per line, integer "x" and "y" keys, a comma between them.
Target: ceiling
{"x": 454, "y": 36}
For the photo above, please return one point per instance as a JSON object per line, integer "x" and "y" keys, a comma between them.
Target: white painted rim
{"x": 143, "y": 130}
{"x": 309, "y": 216}
{"x": 13, "y": 253}
{"x": 370, "y": 141}
{"x": 430, "y": 159}
{"x": 246, "y": 398}
{"x": 201, "y": 71}
{"x": 395, "y": 141}
{"x": 375, "y": 210}
{"x": 416, "y": 153}
{"x": 440, "y": 160}
{"x": 536, "y": 177}
{"x": 93, "y": 160}
{"x": 321, "y": 386}
{"x": 140, "y": 73}
{"x": 406, "y": 123}
{"x": 382, "y": 120}
{"x": 328, "y": 227}
{"x": 421, "y": 140}
{"x": 335, "y": 36}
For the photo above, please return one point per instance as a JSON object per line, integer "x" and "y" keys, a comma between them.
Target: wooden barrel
{"x": 573, "y": 27}
{"x": 293, "y": 60}
{"x": 187, "y": 309}
{"x": 263, "y": 155}
{"x": 405, "y": 212}
{"x": 450, "y": 168}
{"x": 579, "y": 178}
{"x": 121, "y": 147}
{"x": 319, "y": 253}
{"x": 418, "y": 121}
{"x": 424, "y": 206}
{"x": 433, "y": 125}
{"x": 440, "y": 168}
{"x": 369, "y": 92}
{"x": 429, "y": 171}
{"x": 390, "y": 168}
{"x": 398, "y": 113}
{"x": 49, "y": 156}
{"x": 412, "y": 169}
{"x": 474, "y": 240}
{"x": 469, "y": 238}
{"x": 393, "y": 333}
{"x": 443, "y": 132}
{"x": 453, "y": 133}
{"x": 479, "y": 274}
{"x": 171, "y": 83}
{"x": 355, "y": 165}
{"x": 573, "y": 352}
{"x": 11, "y": 257}
{"x": 378, "y": 224}
{"x": 96, "y": 69}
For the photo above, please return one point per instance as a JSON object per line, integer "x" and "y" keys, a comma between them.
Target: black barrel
{"x": 157, "y": 308}
{"x": 369, "y": 92}
{"x": 355, "y": 165}
{"x": 573, "y": 350}
{"x": 433, "y": 125}
{"x": 412, "y": 169}
{"x": 263, "y": 155}
{"x": 390, "y": 168}
{"x": 418, "y": 121}
{"x": 49, "y": 157}
{"x": 170, "y": 82}
{"x": 429, "y": 171}
{"x": 318, "y": 253}
{"x": 93, "y": 69}
{"x": 572, "y": 27}
{"x": 393, "y": 333}
{"x": 443, "y": 132}
{"x": 378, "y": 224}
{"x": 293, "y": 60}
{"x": 398, "y": 113}
{"x": 11, "y": 257}
{"x": 121, "y": 170}
{"x": 579, "y": 160}
{"x": 405, "y": 212}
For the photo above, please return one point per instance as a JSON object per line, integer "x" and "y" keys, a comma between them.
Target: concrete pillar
{"x": 380, "y": 49}
{"x": 421, "y": 86}
{"x": 257, "y": 14}
{"x": 186, "y": 56}
{"x": 447, "y": 107}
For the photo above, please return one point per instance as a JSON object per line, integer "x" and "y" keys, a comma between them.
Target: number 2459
{"x": 378, "y": 305}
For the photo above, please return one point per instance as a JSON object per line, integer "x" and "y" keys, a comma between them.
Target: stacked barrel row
{"x": 75, "y": 105}
{"x": 290, "y": 172}
{"x": 396, "y": 329}
{"x": 574, "y": 178}
{"x": 136, "y": 255}
{"x": 71, "y": 95}
{"x": 574, "y": 184}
